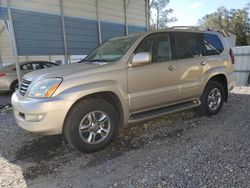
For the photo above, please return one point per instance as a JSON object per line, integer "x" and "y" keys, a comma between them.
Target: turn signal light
{"x": 52, "y": 89}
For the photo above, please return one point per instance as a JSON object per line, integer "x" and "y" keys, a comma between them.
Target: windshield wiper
{"x": 81, "y": 61}
{"x": 93, "y": 60}
{"x": 98, "y": 60}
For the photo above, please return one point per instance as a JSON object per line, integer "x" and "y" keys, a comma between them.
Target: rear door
{"x": 155, "y": 84}
{"x": 188, "y": 50}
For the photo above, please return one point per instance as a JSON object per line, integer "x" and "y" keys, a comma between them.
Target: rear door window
{"x": 47, "y": 65}
{"x": 36, "y": 66}
{"x": 27, "y": 66}
{"x": 187, "y": 45}
{"x": 158, "y": 45}
{"x": 213, "y": 45}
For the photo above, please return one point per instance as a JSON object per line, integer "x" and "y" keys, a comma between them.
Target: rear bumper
{"x": 52, "y": 111}
{"x": 4, "y": 85}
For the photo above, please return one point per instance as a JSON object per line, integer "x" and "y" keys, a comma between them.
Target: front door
{"x": 155, "y": 84}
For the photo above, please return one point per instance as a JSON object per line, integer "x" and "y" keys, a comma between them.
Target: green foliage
{"x": 160, "y": 16}
{"x": 235, "y": 21}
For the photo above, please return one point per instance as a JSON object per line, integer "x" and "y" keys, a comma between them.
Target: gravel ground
{"x": 178, "y": 150}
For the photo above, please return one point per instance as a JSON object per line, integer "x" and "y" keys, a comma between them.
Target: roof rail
{"x": 199, "y": 28}
{"x": 189, "y": 27}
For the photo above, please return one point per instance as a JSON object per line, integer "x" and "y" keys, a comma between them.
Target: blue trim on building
{"x": 136, "y": 29}
{"x": 3, "y": 13}
{"x": 81, "y": 35}
{"x": 110, "y": 30}
{"x": 41, "y": 34}
{"x": 37, "y": 33}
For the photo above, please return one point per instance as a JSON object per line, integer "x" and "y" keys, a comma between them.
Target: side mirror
{"x": 141, "y": 59}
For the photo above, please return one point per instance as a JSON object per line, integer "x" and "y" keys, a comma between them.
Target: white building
{"x": 52, "y": 29}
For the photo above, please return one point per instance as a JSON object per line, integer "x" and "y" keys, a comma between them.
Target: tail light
{"x": 2, "y": 74}
{"x": 232, "y": 56}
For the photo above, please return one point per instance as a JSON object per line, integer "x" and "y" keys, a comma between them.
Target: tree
{"x": 235, "y": 21}
{"x": 159, "y": 14}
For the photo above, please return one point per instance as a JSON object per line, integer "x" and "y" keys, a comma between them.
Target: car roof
{"x": 193, "y": 29}
{"x": 182, "y": 30}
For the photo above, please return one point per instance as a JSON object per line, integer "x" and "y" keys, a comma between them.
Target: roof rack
{"x": 224, "y": 33}
{"x": 189, "y": 27}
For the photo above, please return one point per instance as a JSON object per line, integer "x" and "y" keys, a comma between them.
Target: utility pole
{"x": 13, "y": 41}
{"x": 98, "y": 2}
{"x": 1, "y": 62}
{"x": 65, "y": 45}
{"x": 126, "y": 4}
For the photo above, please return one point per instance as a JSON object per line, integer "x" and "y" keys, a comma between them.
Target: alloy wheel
{"x": 214, "y": 99}
{"x": 95, "y": 127}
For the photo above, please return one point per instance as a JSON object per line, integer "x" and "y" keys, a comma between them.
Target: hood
{"x": 66, "y": 71}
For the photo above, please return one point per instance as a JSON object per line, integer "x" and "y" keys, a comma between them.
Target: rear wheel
{"x": 91, "y": 125}
{"x": 14, "y": 86}
{"x": 212, "y": 99}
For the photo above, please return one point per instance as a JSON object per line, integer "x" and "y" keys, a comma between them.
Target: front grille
{"x": 24, "y": 87}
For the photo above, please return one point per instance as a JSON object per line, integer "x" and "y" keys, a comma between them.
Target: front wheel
{"x": 212, "y": 99}
{"x": 91, "y": 125}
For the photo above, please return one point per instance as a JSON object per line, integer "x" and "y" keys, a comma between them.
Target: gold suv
{"x": 126, "y": 80}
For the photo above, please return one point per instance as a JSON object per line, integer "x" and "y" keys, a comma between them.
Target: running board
{"x": 141, "y": 116}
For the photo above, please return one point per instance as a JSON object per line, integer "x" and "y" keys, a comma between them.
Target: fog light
{"x": 33, "y": 117}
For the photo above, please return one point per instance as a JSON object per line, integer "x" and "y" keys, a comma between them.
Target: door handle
{"x": 172, "y": 67}
{"x": 203, "y": 63}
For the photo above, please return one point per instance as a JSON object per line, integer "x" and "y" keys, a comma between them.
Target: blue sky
{"x": 189, "y": 11}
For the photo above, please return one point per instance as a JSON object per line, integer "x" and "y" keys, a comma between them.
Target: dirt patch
{"x": 178, "y": 150}
{"x": 42, "y": 149}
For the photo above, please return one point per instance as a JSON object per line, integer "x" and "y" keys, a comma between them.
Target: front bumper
{"x": 53, "y": 111}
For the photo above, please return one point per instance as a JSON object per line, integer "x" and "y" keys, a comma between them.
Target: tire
{"x": 14, "y": 86}
{"x": 88, "y": 117}
{"x": 211, "y": 103}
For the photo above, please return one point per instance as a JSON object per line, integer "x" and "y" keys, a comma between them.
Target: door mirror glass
{"x": 141, "y": 58}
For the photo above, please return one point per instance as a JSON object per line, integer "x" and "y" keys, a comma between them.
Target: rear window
{"x": 213, "y": 45}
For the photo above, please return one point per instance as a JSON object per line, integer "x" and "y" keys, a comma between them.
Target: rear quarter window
{"x": 213, "y": 45}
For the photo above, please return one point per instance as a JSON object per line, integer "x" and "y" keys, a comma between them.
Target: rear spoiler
{"x": 231, "y": 40}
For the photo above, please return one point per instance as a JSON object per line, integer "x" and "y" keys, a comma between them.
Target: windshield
{"x": 111, "y": 50}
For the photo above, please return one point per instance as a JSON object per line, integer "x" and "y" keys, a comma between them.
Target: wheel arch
{"x": 221, "y": 78}
{"x": 12, "y": 84}
{"x": 107, "y": 96}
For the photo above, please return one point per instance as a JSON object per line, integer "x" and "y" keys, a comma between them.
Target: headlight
{"x": 44, "y": 88}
